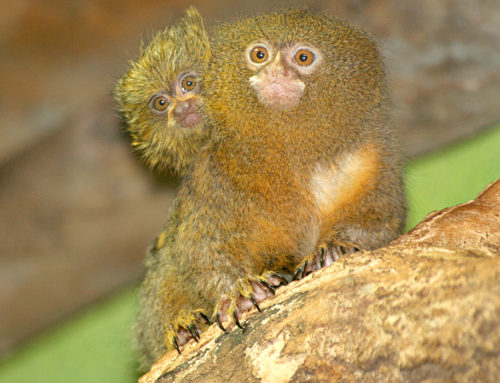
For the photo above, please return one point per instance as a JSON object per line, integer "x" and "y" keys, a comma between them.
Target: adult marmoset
{"x": 300, "y": 167}
{"x": 159, "y": 97}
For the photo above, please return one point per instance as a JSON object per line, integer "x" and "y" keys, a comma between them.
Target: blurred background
{"x": 77, "y": 208}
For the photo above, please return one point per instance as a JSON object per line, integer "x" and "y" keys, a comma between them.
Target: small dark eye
{"x": 160, "y": 103}
{"x": 304, "y": 57}
{"x": 259, "y": 54}
{"x": 189, "y": 83}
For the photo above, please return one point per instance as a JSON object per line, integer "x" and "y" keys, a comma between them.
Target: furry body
{"x": 277, "y": 178}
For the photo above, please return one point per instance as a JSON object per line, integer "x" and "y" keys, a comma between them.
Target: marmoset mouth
{"x": 187, "y": 114}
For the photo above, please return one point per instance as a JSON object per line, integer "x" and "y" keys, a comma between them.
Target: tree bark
{"x": 424, "y": 308}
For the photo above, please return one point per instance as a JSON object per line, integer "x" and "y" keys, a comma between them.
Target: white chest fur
{"x": 344, "y": 181}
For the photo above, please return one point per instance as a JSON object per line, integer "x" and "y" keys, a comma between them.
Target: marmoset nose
{"x": 182, "y": 107}
{"x": 186, "y": 113}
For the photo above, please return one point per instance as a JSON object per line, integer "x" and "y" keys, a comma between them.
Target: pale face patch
{"x": 277, "y": 89}
{"x": 277, "y": 71}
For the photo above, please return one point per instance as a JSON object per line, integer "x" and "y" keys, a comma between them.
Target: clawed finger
{"x": 219, "y": 322}
{"x": 252, "y": 298}
{"x": 176, "y": 344}
{"x": 282, "y": 278}
{"x": 236, "y": 320}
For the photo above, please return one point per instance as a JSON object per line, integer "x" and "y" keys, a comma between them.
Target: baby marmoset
{"x": 301, "y": 162}
{"x": 159, "y": 97}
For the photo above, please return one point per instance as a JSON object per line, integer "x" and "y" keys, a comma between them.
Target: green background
{"x": 95, "y": 346}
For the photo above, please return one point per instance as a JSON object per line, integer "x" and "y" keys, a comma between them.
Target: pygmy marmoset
{"x": 301, "y": 164}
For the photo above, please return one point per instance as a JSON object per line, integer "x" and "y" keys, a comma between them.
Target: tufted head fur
{"x": 164, "y": 119}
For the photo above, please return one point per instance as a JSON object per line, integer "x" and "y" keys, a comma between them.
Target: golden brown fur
{"x": 272, "y": 184}
{"x": 161, "y": 141}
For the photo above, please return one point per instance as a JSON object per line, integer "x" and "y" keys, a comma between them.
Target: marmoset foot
{"x": 247, "y": 293}
{"x": 324, "y": 255}
{"x": 188, "y": 325}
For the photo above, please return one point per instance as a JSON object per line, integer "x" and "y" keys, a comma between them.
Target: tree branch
{"x": 425, "y": 307}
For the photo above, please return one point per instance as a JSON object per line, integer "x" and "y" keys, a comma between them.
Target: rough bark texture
{"x": 424, "y": 308}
